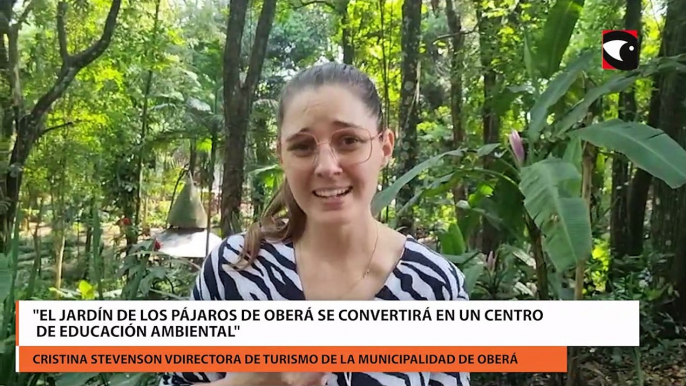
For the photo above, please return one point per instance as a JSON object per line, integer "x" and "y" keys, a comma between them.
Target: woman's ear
{"x": 387, "y": 146}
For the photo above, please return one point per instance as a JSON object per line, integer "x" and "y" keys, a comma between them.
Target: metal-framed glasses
{"x": 350, "y": 146}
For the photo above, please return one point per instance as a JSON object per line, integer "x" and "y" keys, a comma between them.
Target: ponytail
{"x": 282, "y": 220}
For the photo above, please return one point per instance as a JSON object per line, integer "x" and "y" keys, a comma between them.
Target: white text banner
{"x": 328, "y": 323}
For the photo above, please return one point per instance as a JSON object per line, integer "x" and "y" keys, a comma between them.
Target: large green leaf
{"x": 648, "y": 148}
{"x": 574, "y": 155}
{"x": 617, "y": 84}
{"x": 563, "y": 220}
{"x": 579, "y": 111}
{"x": 386, "y": 196}
{"x": 472, "y": 274}
{"x": 503, "y": 100}
{"x": 487, "y": 149}
{"x": 487, "y": 209}
{"x": 469, "y": 221}
{"x": 557, "y": 32}
{"x": 556, "y": 89}
{"x": 452, "y": 241}
{"x": 441, "y": 185}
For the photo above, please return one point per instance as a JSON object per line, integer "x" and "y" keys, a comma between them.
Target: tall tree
{"x": 408, "y": 116}
{"x": 669, "y": 213}
{"x": 138, "y": 220}
{"x": 619, "y": 224}
{"x": 340, "y": 10}
{"x": 488, "y": 27}
{"x": 23, "y": 124}
{"x": 456, "y": 66}
{"x": 238, "y": 99}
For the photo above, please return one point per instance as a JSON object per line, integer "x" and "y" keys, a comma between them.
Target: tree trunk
{"x": 386, "y": 92}
{"x": 28, "y": 126}
{"x": 346, "y": 33}
{"x": 238, "y": 100}
{"x": 641, "y": 182}
{"x": 669, "y": 213}
{"x": 491, "y": 121}
{"x": 89, "y": 236}
{"x": 456, "y": 69}
{"x": 409, "y": 107}
{"x": 59, "y": 225}
{"x": 619, "y": 224}
{"x": 193, "y": 159}
{"x": 36, "y": 269}
{"x": 340, "y": 9}
{"x": 261, "y": 158}
{"x": 143, "y": 156}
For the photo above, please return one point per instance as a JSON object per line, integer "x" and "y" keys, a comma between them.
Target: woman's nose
{"x": 326, "y": 162}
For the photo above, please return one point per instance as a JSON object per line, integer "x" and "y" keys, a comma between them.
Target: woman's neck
{"x": 337, "y": 242}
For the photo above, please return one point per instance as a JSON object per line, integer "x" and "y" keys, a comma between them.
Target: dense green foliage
{"x": 530, "y": 162}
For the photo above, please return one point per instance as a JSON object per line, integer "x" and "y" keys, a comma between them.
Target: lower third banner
{"x": 292, "y": 359}
{"x": 318, "y": 336}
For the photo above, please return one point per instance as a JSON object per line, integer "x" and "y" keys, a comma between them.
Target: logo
{"x": 620, "y": 50}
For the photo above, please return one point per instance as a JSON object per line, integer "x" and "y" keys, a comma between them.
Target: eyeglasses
{"x": 350, "y": 146}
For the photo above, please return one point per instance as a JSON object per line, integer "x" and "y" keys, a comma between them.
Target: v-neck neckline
{"x": 298, "y": 279}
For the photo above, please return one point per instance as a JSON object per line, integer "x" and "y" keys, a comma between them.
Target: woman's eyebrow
{"x": 344, "y": 124}
{"x": 302, "y": 131}
{"x": 338, "y": 123}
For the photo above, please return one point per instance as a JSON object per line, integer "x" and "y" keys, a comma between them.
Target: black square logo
{"x": 620, "y": 50}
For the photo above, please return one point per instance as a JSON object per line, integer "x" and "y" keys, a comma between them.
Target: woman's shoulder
{"x": 422, "y": 254}
{"x": 423, "y": 251}
{"x": 229, "y": 274}
{"x": 231, "y": 249}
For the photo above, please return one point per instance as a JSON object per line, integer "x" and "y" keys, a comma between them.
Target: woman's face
{"x": 334, "y": 182}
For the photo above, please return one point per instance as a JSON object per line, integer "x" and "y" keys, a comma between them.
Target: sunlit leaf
{"x": 558, "y": 30}
{"x": 555, "y": 90}
{"x": 648, "y": 148}
{"x": 564, "y": 221}
{"x": 87, "y": 290}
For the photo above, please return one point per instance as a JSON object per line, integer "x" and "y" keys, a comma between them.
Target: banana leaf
{"x": 557, "y": 88}
{"x": 648, "y": 148}
{"x": 616, "y": 84}
{"x": 452, "y": 241}
{"x": 386, "y": 196}
{"x": 563, "y": 220}
{"x": 556, "y": 34}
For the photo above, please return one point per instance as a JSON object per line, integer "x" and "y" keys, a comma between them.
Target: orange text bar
{"x": 277, "y": 359}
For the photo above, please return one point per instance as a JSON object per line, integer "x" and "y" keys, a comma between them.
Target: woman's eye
{"x": 351, "y": 140}
{"x": 300, "y": 147}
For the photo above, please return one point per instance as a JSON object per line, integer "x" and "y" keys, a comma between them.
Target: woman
{"x": 318, "y": 239}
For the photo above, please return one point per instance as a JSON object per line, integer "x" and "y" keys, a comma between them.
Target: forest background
{"x": 538, "y": 173}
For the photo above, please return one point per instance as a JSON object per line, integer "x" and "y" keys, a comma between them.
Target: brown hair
{"x": 283, "y": 219}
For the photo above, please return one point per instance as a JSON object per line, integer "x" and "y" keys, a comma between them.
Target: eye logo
{"x": 620, "y": 50}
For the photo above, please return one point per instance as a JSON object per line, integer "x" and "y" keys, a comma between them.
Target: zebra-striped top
{"x": 420, "y": 274}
